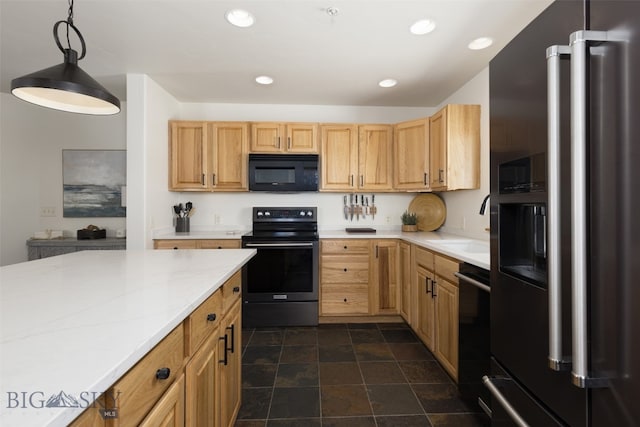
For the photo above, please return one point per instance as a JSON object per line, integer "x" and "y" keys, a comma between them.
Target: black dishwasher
{"x": 474, "y": 344}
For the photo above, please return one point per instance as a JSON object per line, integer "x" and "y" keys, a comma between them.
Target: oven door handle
{"x": 279, "y": 245}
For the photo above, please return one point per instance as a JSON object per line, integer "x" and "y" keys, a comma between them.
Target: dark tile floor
{"x": 355, "y": 375}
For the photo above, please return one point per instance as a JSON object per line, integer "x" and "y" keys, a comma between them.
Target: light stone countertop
{"x": 76, "y": 323}
{"x": 473, "y": 251}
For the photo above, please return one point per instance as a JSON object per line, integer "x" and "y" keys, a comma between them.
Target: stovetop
{"x": 284, "y": 223}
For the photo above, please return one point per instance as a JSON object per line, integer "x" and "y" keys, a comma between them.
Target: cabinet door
{"x": 339, "y": 161}
{"x": 188, "y": 155}
{"x": 230, "y": 372}
{"x": 447, "y": 325}
{"x": 411, "y": 155}
{"x": 202, "y": 386}
{"x": 228, "y": 156}
{"x": 438, "y": 149}
{"x": 404, "y": 256}
{"x": 455, "y": 147}
{"x": 267, "y": 137}
{"x": 375, "y": 156}
{"x": 426, "y": 307}
{"x": 302, "y": 138}
{"x": 385, "y": 290}
{"x": 169, "y": 411}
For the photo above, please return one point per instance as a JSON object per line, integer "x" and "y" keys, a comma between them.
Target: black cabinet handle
{"x": 225, "y": 360}
{"x": 433, "y": 288}
{"x": 233, "y": 338}
{"x": 236, "y": 289}
{"x": 345, "y": 248}
{"x": 211, "y": 317}
{"x": 345, "y": 300}
{"x": 175, "y": 247}
{"x": 163, "y": 373}
{"x": 345, "y": 269}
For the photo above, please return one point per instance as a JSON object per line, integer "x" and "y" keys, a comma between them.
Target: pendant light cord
{"x": 69, "y": 24}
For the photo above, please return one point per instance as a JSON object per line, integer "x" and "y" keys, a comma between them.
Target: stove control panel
{"x": 285, "y": 214}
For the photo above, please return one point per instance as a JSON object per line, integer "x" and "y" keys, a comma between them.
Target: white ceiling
{"x": 188, "y": 48}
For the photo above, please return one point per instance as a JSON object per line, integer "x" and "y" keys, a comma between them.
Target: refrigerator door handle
{"x": 556, "y": 360}
{"x": 495, "y": 392}
{"x": 579, "y": 42}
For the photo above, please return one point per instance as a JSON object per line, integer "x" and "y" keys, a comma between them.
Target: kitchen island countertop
{"x": 74, "y": 324}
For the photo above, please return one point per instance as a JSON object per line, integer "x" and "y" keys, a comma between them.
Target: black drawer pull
{"x": 211, "y": 317}
{"x": 163, "y": 373}
{"x": 236, "y": 289}
{"x": 345, "y": 269}
{"x": 345, "y": 300}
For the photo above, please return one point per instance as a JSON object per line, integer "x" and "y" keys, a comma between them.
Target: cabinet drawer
{"x": 424, "y": 258}
{"x": 139, "y": 389}
{"x": 203, "y": 321}
{"x": 353, "y": 246}
{"x": 345, "y": 269}
{"x": 231, "y": 291}
{"x": 219, "y": 244}
{"x": 344, "y": 299}
{"x": 446, "y": 267}
{"x": 174, "y": 244}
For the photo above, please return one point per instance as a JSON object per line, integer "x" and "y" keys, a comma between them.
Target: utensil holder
{"x": 182, "y": 225}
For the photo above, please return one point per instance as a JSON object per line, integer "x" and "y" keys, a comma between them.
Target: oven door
{"x": 281, "y": 271}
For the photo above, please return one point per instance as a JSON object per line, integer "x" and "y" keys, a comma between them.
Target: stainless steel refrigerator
{"x": 565, "y": 219}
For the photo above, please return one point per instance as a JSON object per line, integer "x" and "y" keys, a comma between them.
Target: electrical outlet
{"x": 388, "y": 218}
{"x": 216, "y": 219}
{"x": 47, "y": 211}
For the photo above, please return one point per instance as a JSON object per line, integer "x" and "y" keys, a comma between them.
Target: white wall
{"x": 31, "y": 142}
{"x": 463, "y": 206}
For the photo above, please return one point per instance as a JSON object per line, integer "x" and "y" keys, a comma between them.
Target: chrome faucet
{"x": 483, "y": 206}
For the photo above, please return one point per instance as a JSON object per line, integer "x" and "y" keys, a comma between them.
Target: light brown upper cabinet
{"x": 356, "y": 157}
{"x": 454, "y": 148}
{"x": 269, "y": 137}
{"x": 411, "y": 155}
{"x": 208, "y": 156}
{"x": 188, "y": 154}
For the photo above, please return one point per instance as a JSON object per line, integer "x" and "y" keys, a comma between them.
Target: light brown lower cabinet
{"x": 437, "y": 294}
{"x": 202, "y": 385}
{"x": 169, "y": 411}
{"x": 404, "y": 261}
{"x": 191, "y": 378}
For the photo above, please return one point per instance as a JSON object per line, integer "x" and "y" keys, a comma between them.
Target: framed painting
{"x": 94, "y": 183}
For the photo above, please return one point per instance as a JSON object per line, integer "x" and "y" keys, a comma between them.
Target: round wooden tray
{"x": 431, "y": 211}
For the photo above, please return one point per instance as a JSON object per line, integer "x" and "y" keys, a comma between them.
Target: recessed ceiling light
{"x": 264, "y": 80}
{"x": 423, "y": 26}
{"x": 480, "y": 43}
{"x": 388, "y": 83}
{"x": 240, "y": 18}
{"x": 332, "y": 11}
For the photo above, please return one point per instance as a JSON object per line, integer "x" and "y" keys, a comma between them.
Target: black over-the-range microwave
{"x": 283, "y": 172}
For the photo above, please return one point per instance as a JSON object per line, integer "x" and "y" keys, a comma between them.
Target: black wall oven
{"x": 280, "y": 284}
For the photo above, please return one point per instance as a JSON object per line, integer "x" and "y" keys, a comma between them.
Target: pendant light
{"x": 65, "y": 86}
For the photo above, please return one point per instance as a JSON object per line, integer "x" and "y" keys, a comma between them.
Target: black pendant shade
{"x": 66, "y": 86}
